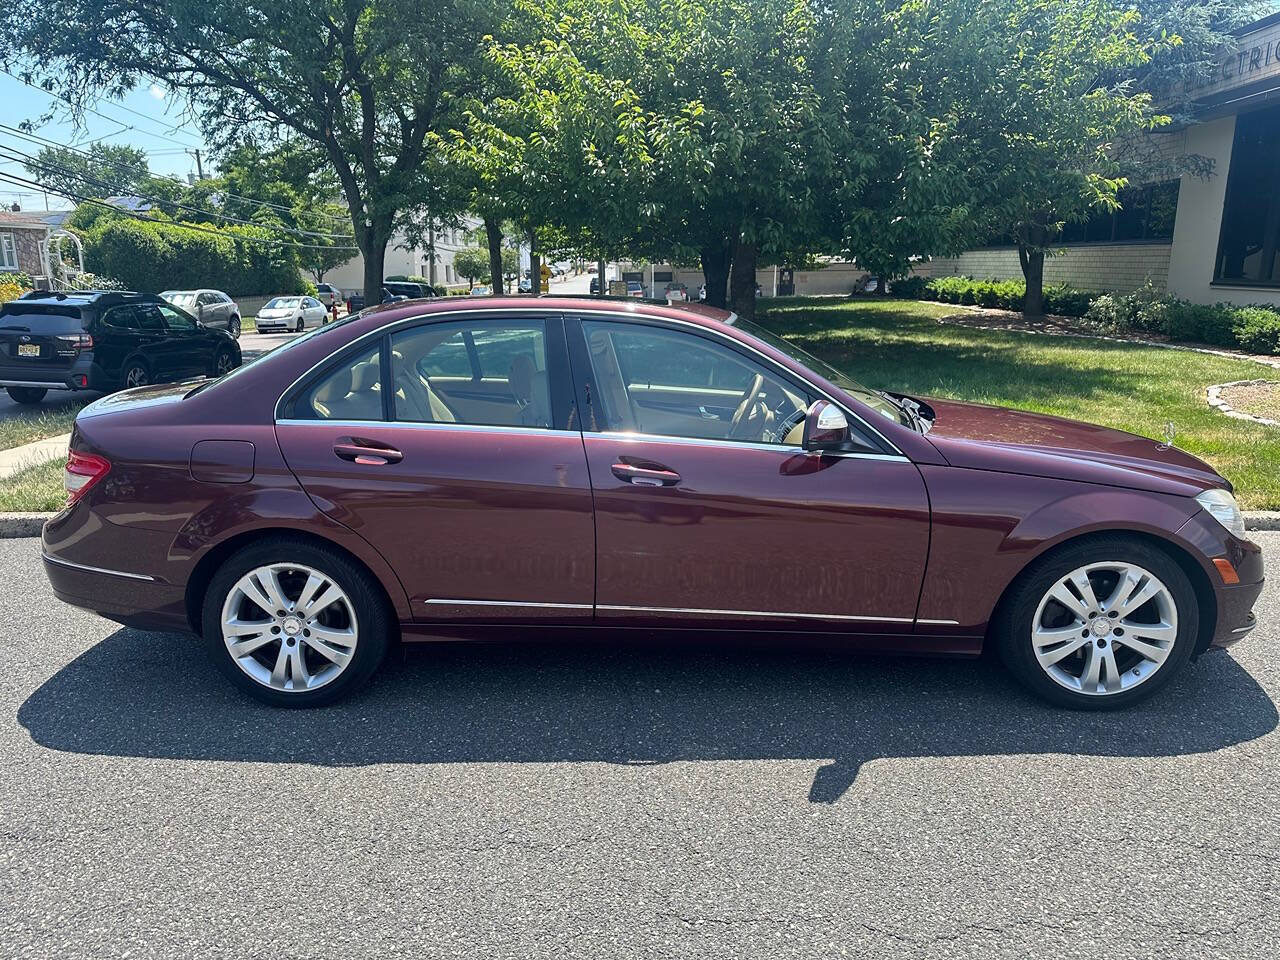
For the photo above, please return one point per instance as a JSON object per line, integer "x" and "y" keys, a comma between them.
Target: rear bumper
{"x": 68, "y": 378}
{"x": 134, "y": 599}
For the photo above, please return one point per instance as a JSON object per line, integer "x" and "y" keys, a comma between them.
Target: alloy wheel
{"x": 1104, "y": 628}
{"x": 222, "y": 366}
{"x": 289, "y": 627}
{"x": 136, "y": 377}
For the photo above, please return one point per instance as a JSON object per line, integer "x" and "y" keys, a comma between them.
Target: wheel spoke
{"x": 1149, "y": 631}
{"x": 1135, "y": 588}
{"x": 334, "y": 645}
{"x": 309, "y": 590}
{"x": 1110, "y": 672}
{"x": 280, "y": 673}
{"x": 1153, "y": 652}
{"x": 1081, "y": 581}
{"x": 1092, "y": 669}
{"x": 1049, "y": 657}
{"x": 245, "y": 647}
{"x": 1069, "y": 600}
{"x": 330, "y": 596}
{"x": 245, "y": 628}
{"x": 298, "y": 668}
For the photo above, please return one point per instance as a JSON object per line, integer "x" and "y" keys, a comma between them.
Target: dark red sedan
{"x": 488, "y": 469}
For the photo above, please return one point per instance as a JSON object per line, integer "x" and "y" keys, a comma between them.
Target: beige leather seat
{"x": 529, "y": 387}
{"x": 415, "y": 398}
{"x": 353, "y": 397}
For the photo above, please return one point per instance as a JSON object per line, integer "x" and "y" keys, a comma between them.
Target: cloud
{"x": 157, "y": 92}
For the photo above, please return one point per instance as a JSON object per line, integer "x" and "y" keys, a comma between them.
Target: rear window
{"x": 39, "y": 318}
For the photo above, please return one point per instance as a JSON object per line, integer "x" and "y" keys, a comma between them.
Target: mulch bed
{"x": 1256, "y": 399}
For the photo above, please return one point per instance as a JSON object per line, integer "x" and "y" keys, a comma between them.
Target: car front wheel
{"x": 294, "y": 624}
{"x": 301, "y": 325}
{"x": 1100, "y": 624}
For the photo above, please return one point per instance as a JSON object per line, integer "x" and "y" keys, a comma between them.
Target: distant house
{"x": 21, "y": 235}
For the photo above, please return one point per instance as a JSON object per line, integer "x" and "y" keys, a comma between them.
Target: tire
{"x": 302, "y": 325}
{"x": 224, "y": 362}
{"x": 269, "y": 672}
{"x": 26, "y": 394}
{"x": 1124, "y": 676}
{"x": 233, "y": 327}
{"x": 136, "y": 373}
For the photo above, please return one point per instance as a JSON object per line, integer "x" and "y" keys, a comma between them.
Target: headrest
{"x": 520, "y": 376}
{"x": 336, "y": 386}
{"x": 364, "y": 377}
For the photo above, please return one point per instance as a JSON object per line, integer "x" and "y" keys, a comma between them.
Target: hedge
{"x": 1256, "y": 329}
{"x": 151, "y": 257}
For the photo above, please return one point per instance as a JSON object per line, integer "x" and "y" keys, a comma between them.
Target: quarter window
{"x": 670, "y": 383}
{"x": 351, "y": 391}
{"x": 491, "y": 373}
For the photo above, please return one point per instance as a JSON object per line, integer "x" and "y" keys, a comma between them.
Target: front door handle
{"x": 646, "y": 475}
{"x": 368, "y": 453}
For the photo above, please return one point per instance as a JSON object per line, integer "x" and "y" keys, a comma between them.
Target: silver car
{"x": 213, "y": 308}
{"x": 291, "y": 313}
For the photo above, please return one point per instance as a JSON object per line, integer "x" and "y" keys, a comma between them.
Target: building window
{"x": 1146, "y": 215}
{"x": 8, "y": 252}
{"x": 1249, "y": 245}
{"x": 448, "y": 273}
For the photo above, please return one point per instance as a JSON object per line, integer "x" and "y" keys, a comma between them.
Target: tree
{"x": 370, "y": 84}
{"x": 103, "y": 170}
{"x": 472, "y": 262}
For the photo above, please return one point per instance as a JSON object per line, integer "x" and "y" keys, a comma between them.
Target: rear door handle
{"x": 369, "y": 453}
{"x": 649, "y": 475}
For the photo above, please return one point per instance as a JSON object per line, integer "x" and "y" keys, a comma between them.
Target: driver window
{"x": 176, "y": 322}
{"x": 670, "y": 383}
{"x": 491, "y": 373}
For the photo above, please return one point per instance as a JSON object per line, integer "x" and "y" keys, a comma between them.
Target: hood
{"x": 139, "y": 398}
{"x": 982, "y": 437}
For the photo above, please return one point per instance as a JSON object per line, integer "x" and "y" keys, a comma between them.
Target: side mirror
{"x": 825, "y": 427}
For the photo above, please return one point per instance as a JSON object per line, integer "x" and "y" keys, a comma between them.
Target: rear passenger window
{"x": 351, "y": 391}
{"x": 491, "y": 373}
{"x": 121, "y": 318}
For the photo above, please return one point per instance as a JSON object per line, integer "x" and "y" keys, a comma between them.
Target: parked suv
{"x": 96, "y": 340}
{"x": 328, "y": 294}
{"x": 213, "y": 308}
{"x": 355, "y": 301}
{"x": 409, "y": 289}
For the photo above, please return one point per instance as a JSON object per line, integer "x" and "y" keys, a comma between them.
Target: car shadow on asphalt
{"x": 139, "y": 694}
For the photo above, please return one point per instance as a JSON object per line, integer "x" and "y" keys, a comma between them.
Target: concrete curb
{"x": 22, "y": 524}
{"x": 28, "y": 524}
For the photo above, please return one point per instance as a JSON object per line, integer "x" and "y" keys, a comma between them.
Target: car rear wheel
{"x": 295, "y": 624}
{"x": 223, "y": 363}
{"x": 1100, "y": 624}
{"x": 233, "y": 327}
{"x": 136, "y": 374}
{"x": 26, "y": 394}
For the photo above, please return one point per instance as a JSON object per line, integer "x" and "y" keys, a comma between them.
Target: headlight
{"x": 1223, "y": 506}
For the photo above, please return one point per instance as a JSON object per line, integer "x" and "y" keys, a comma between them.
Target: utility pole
{"x": 199, "y": 166}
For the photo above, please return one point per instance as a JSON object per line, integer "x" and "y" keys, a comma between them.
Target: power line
{"x": 10, "y": 178}
{"x": 99, "y": 113}
{"x": 102, "y": 184}
{"x": 26, "y": 135}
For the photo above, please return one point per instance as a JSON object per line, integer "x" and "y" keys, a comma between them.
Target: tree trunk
{"x": 716, "y": 260}
{"x": 431, "y": 256}
{"x": 493, "y": 234}
{"x": 1032, "y": 261}
{"x": 602, "y": 289}
{"x": 373, "y": 247}
{"x": 535, "y": 265}
{"x": 742, "y": 284}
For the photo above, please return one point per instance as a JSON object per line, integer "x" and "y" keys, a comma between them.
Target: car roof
{"x": 84, "y": 298}
{"x": 697, "y": 313}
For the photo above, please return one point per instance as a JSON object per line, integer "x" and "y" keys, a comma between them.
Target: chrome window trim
{"x": 737, "y": 444}
{"x": 457, "y": 315}
{"x": 433, "y": 425}
{"x": 103, "y": 570}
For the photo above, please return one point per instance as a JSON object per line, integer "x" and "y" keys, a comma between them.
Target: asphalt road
{"x": 496, "y": 801}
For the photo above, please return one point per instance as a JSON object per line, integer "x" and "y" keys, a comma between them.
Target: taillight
{"x": 83, "y": 470}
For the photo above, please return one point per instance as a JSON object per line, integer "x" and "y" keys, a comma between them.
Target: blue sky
{"x": 156, "y": 128}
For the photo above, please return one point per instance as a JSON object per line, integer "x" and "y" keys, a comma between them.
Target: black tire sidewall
{"x": 26, "y": 394}
{"x": 233, "y": 327}
{"x": 132, "y": 365}
{"x": 1013, "y": 623}
{"x": 372, "y": 614}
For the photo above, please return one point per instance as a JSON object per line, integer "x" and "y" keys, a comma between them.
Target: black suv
{"x": 104, "y": 340}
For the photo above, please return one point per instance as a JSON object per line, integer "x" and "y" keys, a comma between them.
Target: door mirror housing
{"x": 825, "y": 427}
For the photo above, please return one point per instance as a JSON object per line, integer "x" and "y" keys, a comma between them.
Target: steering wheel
{"x": 740, "y": 424}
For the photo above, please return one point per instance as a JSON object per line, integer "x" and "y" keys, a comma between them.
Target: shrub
{"x": 1257, "y": 329}
{"x": 909, "y": 288}
{"x": 10, "y": 289}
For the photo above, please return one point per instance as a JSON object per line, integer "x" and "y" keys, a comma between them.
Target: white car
{"x": 291, "y": 313}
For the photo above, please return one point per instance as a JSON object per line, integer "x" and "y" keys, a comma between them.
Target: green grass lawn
{"x": 899, "y": 345}
{"x": 34, "y": 490}
{"x": 38, "y": 423}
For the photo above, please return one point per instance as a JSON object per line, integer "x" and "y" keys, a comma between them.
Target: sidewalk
{"x": 30, "y": 454}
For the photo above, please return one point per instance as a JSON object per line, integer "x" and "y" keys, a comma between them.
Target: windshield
{"x": 279, "y": 302}
{"x": 873, "y": 399}
{"x": 179, "y": 299}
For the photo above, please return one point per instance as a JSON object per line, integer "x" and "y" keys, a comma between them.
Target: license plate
{"x": 28, "y": 349}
